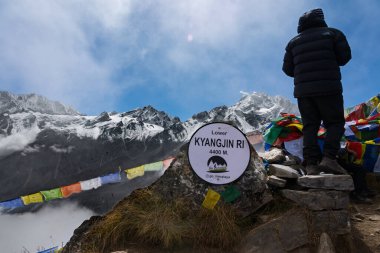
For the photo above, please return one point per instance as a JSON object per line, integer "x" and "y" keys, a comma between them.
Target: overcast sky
{"x": 182, "y": 56}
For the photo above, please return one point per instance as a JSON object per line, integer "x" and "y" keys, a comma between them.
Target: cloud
{"x": 91, "y": 55}
{"x": 47, "y": 48}
{"x": 32, "y": 149}
{"x": 59, "y": 149}
{"x": 18, "y": 141}
{"x": 111, "y": 55}
{"x": 49, "y": 227}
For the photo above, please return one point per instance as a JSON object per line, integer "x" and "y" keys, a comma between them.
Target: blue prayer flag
{"x": 51, "y": 250}
{"x": 267, "y": 146}
{"x": 11, "y": 204}
{"x": 370, "y": 156}
{"x": 111, "y": 178}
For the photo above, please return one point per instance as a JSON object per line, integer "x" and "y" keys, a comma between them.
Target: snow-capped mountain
{"x": 31, "y": 102}
{"x": 252, "y": 113}
{"x": 45, "y": 144}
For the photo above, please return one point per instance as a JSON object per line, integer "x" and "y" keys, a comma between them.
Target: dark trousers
{"x": 328, "y": 109}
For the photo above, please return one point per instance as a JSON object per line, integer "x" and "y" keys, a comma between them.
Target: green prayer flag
{"x": 230, "y": 194}
{"x": 272, "y": 134}
{"x": 52, "y": 194}
{"x": 153, "y": 166}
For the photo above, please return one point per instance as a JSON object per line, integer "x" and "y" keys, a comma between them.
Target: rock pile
{"x": 322, "y": 209}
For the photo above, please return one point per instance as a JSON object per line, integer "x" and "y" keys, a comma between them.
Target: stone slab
{"x": 336, "y": 222}
{"x": 333, "y": 182}
{"x": 284, "y": 171}
{"x": 275, "y": 155}
{"x": 276, "y": 181}
{"x": 319, "y": 199}
{"x": 325, "y": 244}
{"x": 283, "y": 234}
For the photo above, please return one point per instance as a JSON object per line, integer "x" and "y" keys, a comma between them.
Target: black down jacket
{"x": 313, "y": 58}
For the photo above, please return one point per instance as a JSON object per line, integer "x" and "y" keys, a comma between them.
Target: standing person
{"x": 313, "y": 58}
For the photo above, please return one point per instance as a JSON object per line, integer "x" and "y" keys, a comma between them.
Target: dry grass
{"x": 158, "y": 222}
{"x": 216, "y": 228}
{"x": 144, "y": 218}
{"x": 147, "y": 219}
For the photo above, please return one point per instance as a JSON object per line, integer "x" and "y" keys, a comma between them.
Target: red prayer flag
{"x": 68, "y": 190}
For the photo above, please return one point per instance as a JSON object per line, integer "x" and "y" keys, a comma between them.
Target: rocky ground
{"x": 366, "y": 223}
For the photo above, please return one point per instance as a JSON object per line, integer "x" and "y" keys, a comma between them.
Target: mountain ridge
{"x": 43, "y": 150}
{"x": 18, "y": 103}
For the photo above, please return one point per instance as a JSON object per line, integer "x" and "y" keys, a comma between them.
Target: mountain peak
{"x": 149, "y": 114}
{"x": 13, "y": 103}
{"x": 250, "y": 113}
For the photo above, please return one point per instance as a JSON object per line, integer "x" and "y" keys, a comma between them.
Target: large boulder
{"x": 180, "y": 181}
{"x": 179, "y": 186}
{"x": 281, "y": 235}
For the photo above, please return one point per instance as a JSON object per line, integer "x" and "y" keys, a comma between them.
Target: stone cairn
{"x": 321, "y": 220}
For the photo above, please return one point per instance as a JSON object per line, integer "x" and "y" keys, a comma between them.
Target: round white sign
{"x": 219, "y": 153}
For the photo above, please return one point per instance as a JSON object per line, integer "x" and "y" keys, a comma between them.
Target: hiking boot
{"x": 313, "y": 169}
{"x": 332, "y": 166}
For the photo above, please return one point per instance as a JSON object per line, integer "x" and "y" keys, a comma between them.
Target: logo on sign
{"x": 219, "y": 153}
{"x": 217, "y": 164}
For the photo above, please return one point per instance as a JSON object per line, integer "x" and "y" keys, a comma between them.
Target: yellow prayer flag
{"x": 212, "y": 197}
{"x": 372, "y": 142}
{"x": 298, "y": 126}
{"x": 135, "y": 172}
{"x": 32, "y": 198}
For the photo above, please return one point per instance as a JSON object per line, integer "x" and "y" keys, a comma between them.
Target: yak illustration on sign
{"x": 217, "y": 164}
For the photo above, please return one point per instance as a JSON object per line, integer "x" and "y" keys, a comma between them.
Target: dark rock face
{"x": 103, "y": 117}
{"x": 148, "y": 114}
{"x": 43, "y": 168}
{"x": 5, "y": 124}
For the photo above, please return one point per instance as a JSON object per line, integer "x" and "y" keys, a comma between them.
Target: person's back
{"x": 313, "y": 58}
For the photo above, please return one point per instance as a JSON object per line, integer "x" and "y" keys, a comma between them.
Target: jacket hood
{"x": 311, "y": 19}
